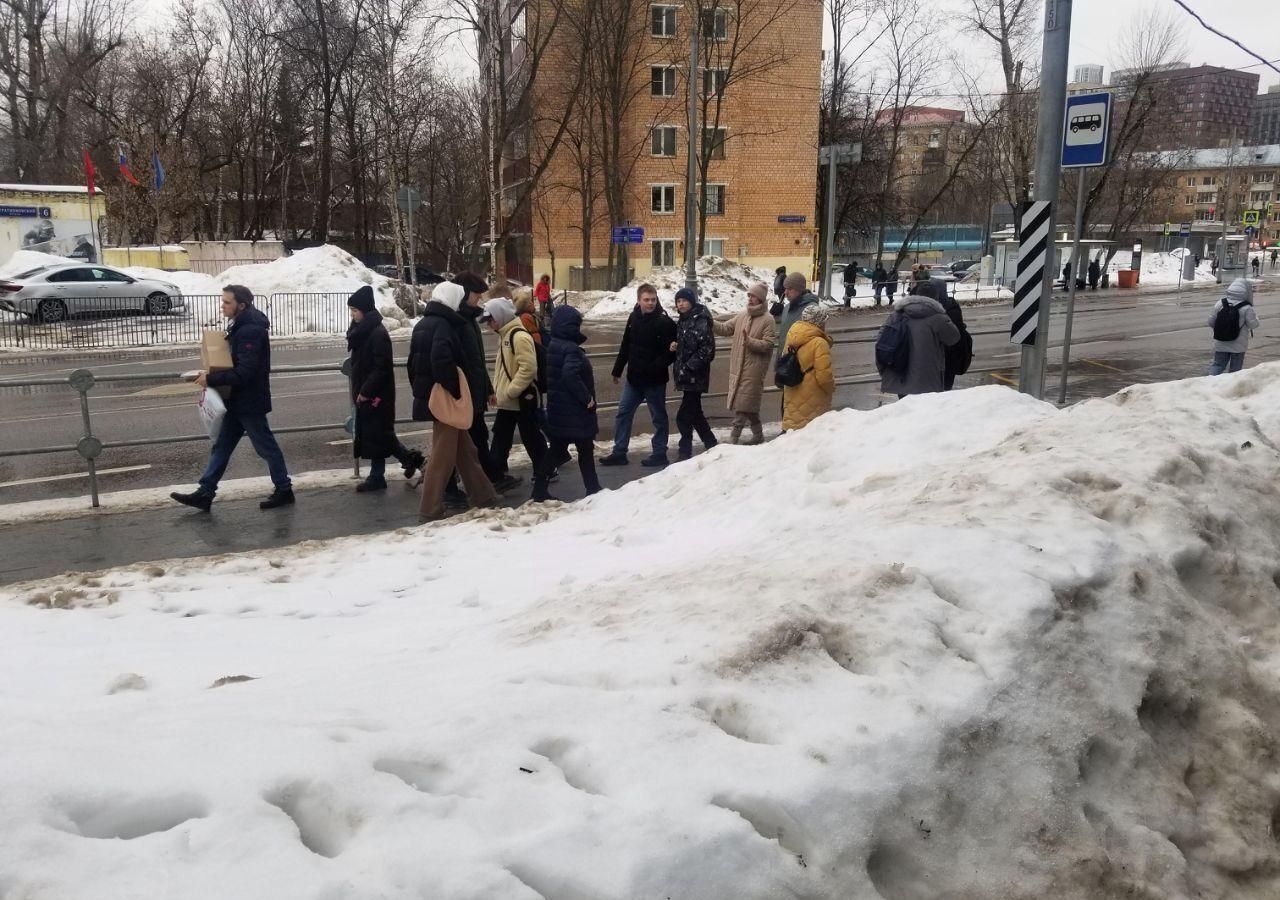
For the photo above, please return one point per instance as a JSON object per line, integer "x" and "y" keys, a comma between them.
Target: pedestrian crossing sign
{"x": 1252, "y": 217}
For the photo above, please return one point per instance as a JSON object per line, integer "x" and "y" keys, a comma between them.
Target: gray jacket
{"x": 1239, "y": 292}
{"x": 932, "y": 332}
{"x": 791, "y": 315}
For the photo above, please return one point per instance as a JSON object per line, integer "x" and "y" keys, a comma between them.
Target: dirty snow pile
{"x": 964, "y": 646}
{"x": 722, "y": 287}
{"x": 1160, "y": 268}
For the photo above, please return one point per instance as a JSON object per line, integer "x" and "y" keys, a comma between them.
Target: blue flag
{"x": 159, "y": 169}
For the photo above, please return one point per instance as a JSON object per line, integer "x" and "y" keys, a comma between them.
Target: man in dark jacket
{"x": 960, "y": 354}
{"x": 850, "y": 282}
{"x": 645, "y": 355}
{"x": 249, "y": 379}
{"x": 1095, "y": 273}
{"x": 571, "y": 403}
{"x": 477, "y": 369}
{"x": 695, "y": 348}
{"x": 373, "y": 392}
{"x": 798, "y": 297}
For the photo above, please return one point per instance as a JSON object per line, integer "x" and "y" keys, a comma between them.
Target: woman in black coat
{"x": 571, "y": 403}
{"x": 373, "y": 391}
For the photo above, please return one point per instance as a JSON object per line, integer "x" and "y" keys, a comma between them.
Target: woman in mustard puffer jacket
{"x": 812, "y": 397}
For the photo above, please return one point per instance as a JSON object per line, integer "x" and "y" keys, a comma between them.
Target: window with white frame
{"x": 1190, "y": 199}
{"x": 1191, "y": 182}
{"x": 662, "y": 21}
{"x": 1260, "y": 196}
{"x": 715, "y": 24}
{"x": 713, "y": 82}
{"x": 714, "y": 196}
{"x": 662, "y": 81}
{"x": 664, "y": 252}
{"x": 1209, "y": 180}
{"x": 713, "y": 246}
{"x": 662, "y": 198}
{"x": 713, "y": 139}
{"x": 1262, "y": 177}
{"x": 664, "y": 140}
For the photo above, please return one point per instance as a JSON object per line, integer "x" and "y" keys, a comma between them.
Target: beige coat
{"x": 754, "y": 339}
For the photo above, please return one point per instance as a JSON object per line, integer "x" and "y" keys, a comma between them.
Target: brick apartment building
{"x": 762, "y": 178}
{"x": 1207, "y": 104}
{"x": 931, "y": 138}
{"x": 1205, "y": 190}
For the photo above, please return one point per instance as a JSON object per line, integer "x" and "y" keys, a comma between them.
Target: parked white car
{"x": 57, "y": 292}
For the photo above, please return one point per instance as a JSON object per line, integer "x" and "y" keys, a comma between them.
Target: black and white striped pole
{"x": 1053, "y": 98}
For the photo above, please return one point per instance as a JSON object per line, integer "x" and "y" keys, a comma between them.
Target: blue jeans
{"x": 234, "y": 427}
{"x": 1226, "y": 362}
{"x": 655, "y": 397}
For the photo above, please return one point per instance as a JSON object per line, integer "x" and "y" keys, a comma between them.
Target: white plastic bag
{"x": 212, "y": 410}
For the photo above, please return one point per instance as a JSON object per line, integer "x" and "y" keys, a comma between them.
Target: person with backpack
{"x": 516, "y": 386}
{"x": 645, "y": 355}
{"x": 373, "y": 391}
{"x": 1233, "y": 321}
{"x": 694, "y": 348}
{"x": 754, "y": 338}
{"x": 911, "y": 349}
{"x": 571, "y": 404}
{"x": 807, "y": 353}
{"x": 960, "y": 354}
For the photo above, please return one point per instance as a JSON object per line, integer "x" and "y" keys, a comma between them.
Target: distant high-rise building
{"x": 1088, "y": 73}
{"x": 1266, "y": 117}
{"x": 1206, "y": 104}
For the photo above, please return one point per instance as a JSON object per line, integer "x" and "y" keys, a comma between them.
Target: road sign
{"x": 792, "y": 220}
{"x": 1086, "y": 129}
{"x": 1034, "y": 239}
{"x": 1250, "y": 230}
{"x": 627, "y": 234}
{"x": 1252, "y": 217}
{"x": 846, "y": 154}
{"x": 1184, "y": 230}
{"x": 408, "y": 198}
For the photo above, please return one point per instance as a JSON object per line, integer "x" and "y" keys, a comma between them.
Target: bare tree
{"x": 1011, "y": 26}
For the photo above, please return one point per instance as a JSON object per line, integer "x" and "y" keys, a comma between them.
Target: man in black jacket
{"x": 646, "y": 357}
{"x": 249, "y": 379}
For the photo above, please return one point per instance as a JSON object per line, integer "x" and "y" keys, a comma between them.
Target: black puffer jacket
{"x": 250, "y": 374}
{"x": 475, "y": 366}
{"x": 695, "y": 349}
{"x": 435, "y": 353}
{"x": 374, "y": 379}
{"x": 645, "y": 353}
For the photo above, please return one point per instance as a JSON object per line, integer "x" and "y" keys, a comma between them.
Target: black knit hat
{"x": 473, "y": 283}
{"x": 362, "y": 299}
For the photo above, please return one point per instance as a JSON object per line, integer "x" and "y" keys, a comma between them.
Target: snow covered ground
{"x": 1160, "y": 268}
{"x": 722, "y": 286}
{"x": 963, "y": 646}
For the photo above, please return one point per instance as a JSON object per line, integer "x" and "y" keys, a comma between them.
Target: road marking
{"x": 346, "y": 441}
{"x": 1008, "y": 381}
{"x": 1102, "y": 365}
{"x": 73, "y": 475}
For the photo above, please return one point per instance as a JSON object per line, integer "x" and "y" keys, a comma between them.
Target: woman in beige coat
{"x": 754, "y": 336}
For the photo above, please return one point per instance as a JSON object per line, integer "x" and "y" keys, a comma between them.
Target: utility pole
{"x": 828, "y": 244}
{"x": 691, "y": 188}
{"x": 1053, "y": 99}
{"x": 1224, "y": 201}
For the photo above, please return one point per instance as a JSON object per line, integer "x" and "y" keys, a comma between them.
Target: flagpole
{"x": 94, "y": 234}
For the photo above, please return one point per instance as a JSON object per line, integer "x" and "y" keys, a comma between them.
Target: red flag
{"x": 125, "y": 172}
{"x": 89, "y": 171}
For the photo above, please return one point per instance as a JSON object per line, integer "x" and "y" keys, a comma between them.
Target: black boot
{"x": 413, "y": 462}
{"x": 196, "y": 500}
{"x": 279, "y": 497}
{"x": 371, "y": 484}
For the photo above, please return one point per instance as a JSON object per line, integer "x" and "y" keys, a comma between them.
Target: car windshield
{"x": 33, "y": 273}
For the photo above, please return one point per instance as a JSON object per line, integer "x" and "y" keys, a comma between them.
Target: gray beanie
{"x": 794, "y": 282}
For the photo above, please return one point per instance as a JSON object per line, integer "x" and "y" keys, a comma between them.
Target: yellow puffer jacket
{"x": 812, "y": 397}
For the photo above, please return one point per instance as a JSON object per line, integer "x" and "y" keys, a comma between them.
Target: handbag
{"x": 456, "y": 412}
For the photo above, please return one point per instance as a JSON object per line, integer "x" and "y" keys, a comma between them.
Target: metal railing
{"x": 100, "y": 323}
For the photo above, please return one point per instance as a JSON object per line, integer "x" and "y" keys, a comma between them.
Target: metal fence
{"x": 96, "y": 323}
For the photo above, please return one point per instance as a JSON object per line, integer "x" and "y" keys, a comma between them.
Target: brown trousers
{"x": 450, "y": 449}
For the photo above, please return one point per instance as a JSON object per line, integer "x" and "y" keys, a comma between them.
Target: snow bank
{"x": 25, "y": 260}
{"x": 1160, "y": 268}
{"x": 964, "y": 646}
{"x": 722, "y": 286}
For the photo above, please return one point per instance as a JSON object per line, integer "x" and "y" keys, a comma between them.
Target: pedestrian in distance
{"x": 515, "y": 384}
{"x": 850, "y": 282}
{"x": 373, "y": 391}
{"x": 1233, "y": 320}
{"x": 755, "y": 336}
{"x": 542, "y": 294}
{"x": 1257, "y": 265}
{"x": 779, "y": 282}
{"x": 478, "y": 381}
{"x": 571, "y": 404}
{"x": 878, "y": 281}
{"x": 798, "y": 297}
{"x": 645, "y": 357}
{"x": 911, "y": 349}
{"x": 1095, "y": 273}
{"x": 1213, "y": 265}
{"x": 694, "y": 349}
{"x": 249, "y": 401}
{"x": 436, "y": 357}
{"x": 808, "y": 339}
{"x": 1275, "y": 255}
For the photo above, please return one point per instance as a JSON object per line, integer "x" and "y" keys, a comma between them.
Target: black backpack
{"x": 1226, "y": 324}
{"x": 893, "y": 346}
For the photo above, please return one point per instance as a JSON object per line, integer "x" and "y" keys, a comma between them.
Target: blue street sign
{"x": 619, "y": 235}
{"x": 21, "y": 212}
{"x": 627, "y": 234}
{"x": 792, "y": 220}
{"x": 1085, "y": 130}
{"x": 635, "y": 235}
{"x": 1184, "y": 230}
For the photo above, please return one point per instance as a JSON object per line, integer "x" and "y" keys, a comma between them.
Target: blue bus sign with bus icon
{"x": 1085, "y": 130}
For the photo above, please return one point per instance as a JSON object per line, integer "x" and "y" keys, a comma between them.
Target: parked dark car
{"x": 426, "y": 275}
{"x": 963, "y": 265}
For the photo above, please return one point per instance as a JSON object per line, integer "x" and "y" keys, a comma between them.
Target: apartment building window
{"x": 664, "y": 252}
{"x": 1190, "y": 200}
{"x": 1191, "y": 182}
{"x": 713, "y": 246}
{"x": 662, "y": 21}
{"x": 713, "y": 81}
{"x": 1262, "y": 177}
{"x": 714, "y": 139}
{"x": 662, "y": 81}
{"x": 715, "y": 24}
{"x": 1260, "y": 196}
{"x": 714, "y": 195}
{"x": 664, "y": 140}
{"x": 662, "y": 198}
{"x": 1209, "y": 180}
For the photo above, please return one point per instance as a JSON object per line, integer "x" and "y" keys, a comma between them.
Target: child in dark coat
{"x": 571, "y": 403}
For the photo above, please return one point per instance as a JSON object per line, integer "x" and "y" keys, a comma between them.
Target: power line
{"x": 1226, "y": 37}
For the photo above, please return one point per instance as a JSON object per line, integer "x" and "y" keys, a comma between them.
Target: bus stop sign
{"x": 1086, "y": 130}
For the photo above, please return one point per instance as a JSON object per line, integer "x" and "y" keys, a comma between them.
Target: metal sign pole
{"x": 829, "y": 242}
{"x": 1071, "y": 288}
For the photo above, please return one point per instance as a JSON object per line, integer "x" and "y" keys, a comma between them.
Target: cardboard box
{"x": 215, "y": 355}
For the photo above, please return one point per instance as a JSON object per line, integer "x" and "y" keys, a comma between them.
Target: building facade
{"x": 1087, "y": 74}
{"x": 52, "y": 218}
{"x": 1266, "y": 117}
{"x": 1212, "y": 184}
{"x": 1209, "y": 105}
{"x": 760, "y": 72}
